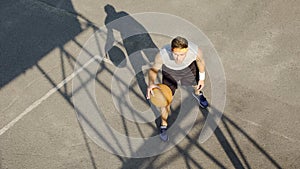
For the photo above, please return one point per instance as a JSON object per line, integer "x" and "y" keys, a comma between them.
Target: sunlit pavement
{"x": 258, "y": 46}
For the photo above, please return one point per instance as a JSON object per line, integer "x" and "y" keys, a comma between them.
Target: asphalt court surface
{"x": 257, "y": 43}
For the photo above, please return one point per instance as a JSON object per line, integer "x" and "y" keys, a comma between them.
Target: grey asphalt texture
{"x": 258, "y": 44}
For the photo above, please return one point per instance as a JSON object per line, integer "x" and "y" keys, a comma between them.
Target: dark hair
{"x": 179, "y": 42}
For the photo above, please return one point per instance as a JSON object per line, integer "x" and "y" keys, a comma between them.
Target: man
{"x": 180, "y": 62}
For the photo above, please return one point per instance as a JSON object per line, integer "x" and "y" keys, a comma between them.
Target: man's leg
{"x": 168, "y": 80}
{"x": 191, "y": 79}
{"x": 164, "y": 124}
{"x": 164, "y": 115}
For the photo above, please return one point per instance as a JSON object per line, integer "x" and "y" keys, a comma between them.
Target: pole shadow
{"x": 30, "y": 30}
{"x": 137, "y": 43}
{"x": 131, "y": 45}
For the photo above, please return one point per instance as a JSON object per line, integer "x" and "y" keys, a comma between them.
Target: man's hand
{"x": 149, "y": 90}
{"x": 200, "y": 84}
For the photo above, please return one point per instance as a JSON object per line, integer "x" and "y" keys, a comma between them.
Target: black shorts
{"x": 188, "y": 76}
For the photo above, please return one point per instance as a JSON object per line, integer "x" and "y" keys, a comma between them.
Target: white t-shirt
{"x": 169, "y": 61}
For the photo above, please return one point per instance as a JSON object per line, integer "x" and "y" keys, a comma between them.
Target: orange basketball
{"x": 162, "y": 96}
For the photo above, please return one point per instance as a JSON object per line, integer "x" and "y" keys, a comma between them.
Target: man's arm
{"x": 201, "y": 66}
{"x": 153, "y": 74}
{"x": 109, "y": 39}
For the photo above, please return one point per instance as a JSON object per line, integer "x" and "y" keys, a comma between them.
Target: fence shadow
{"x": 30, "y": 30}
{"x": 34, "y": 37}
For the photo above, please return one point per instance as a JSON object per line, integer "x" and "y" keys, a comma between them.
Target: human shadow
{"x": 149, "y": 162}
{"x": 134, "y": 38}
{"x": 124, "y": 31}
{"x": 232, "y": 149}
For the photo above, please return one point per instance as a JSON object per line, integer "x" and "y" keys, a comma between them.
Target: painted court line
{"x": 48, "y": 94}
{"x": 270, "y": 131}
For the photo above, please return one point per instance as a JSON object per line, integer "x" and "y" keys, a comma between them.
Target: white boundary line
{"x": 70, "y": 77}
{"x": 47, "y": 95}
{"x": 270, "y": 131}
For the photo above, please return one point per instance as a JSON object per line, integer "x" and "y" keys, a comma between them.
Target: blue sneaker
{"x": 163, "y": 133}
{"x": 201, "y": 100}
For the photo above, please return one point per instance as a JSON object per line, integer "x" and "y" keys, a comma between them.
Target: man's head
{"x": 179, "y": 47}
{"x": 109, "y": 9}
{"x": 179, "y": 42}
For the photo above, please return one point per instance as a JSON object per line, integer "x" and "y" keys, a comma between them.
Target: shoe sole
{"x": 164, "y": 140}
